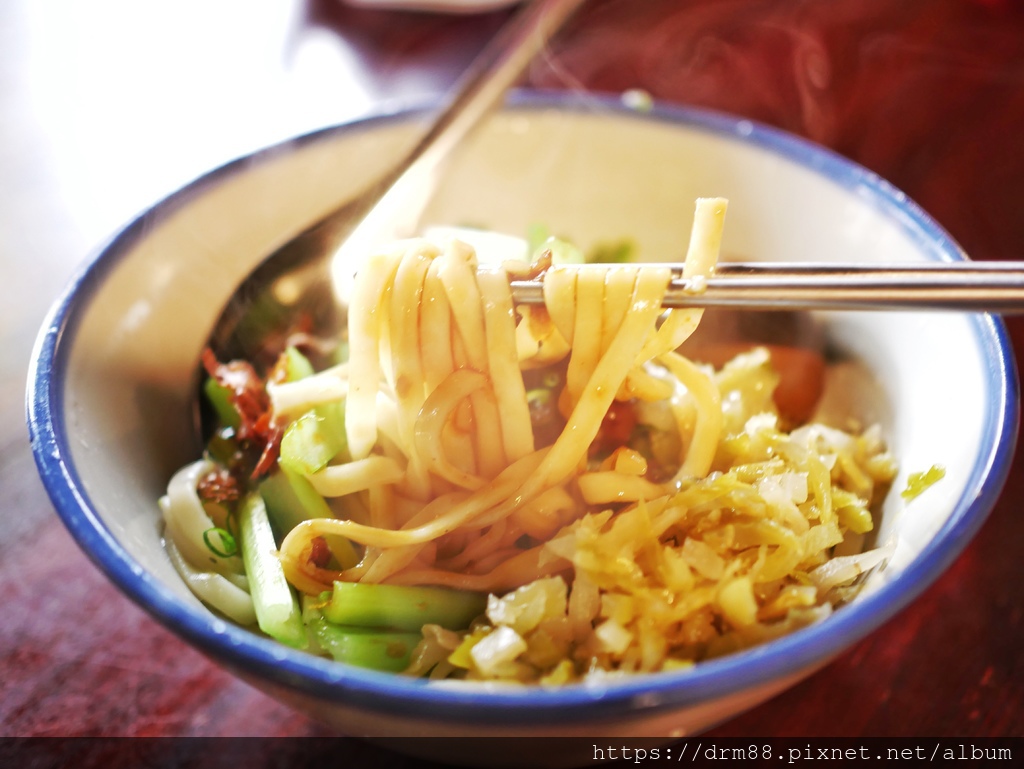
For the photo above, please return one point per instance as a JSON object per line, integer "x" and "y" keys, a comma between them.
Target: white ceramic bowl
{"x": 115, "y": 365}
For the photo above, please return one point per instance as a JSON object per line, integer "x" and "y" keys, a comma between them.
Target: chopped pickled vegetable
{"x": 918, "y": 483}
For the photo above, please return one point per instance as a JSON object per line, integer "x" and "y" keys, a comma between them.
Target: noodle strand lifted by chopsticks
{"x": 626, "y": 509}
{"x": 435, "y": 334}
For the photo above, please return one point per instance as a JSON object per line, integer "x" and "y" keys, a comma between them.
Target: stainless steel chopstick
{"x": 965, "y": 286}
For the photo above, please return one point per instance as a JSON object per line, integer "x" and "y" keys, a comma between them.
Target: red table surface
{"x": 927, "y": 93}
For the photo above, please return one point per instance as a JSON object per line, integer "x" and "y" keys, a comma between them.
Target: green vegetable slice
{"x": 292, "y": 366}
{"x": 290, "y": 500}
{"x": 314, "y": 439}
{"x": 277, "y": 608}
{"x": 386, "y": 650}
{"x": 219, "y": 397}
{"x": 402, "y": 607}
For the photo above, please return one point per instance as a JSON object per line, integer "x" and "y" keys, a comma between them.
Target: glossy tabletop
{"x": 109, "y": 105}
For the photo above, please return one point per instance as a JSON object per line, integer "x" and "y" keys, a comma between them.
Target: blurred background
{"x": 108, "y": 106}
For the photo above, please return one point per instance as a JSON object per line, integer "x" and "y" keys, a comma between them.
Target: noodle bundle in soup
{"x": 483, "y": 490}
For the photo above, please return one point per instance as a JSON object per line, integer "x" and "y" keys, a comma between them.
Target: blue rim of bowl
{"x": 634, "y": 696}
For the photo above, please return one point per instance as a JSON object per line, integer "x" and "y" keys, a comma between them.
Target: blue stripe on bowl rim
{"x": 637, "y": 696}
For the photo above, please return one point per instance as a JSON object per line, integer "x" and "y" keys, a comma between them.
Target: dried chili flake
{"x": 320, "y": 553}
{"x": 219, "y": 486}
{"x": 248, "y": 395}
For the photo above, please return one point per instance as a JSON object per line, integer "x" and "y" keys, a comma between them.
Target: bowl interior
{"x": 125, "y": 340}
